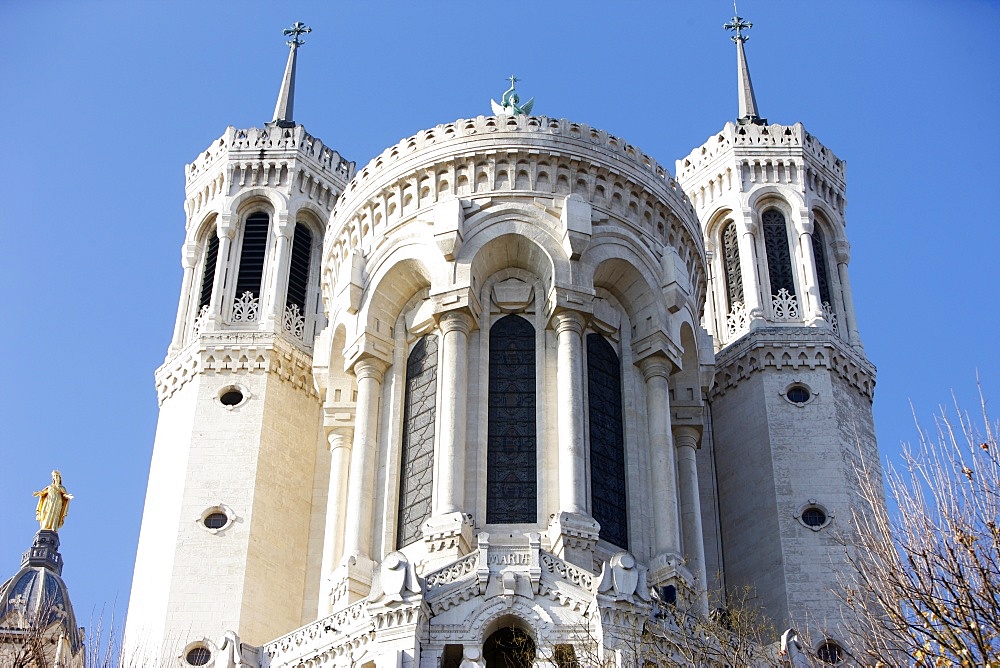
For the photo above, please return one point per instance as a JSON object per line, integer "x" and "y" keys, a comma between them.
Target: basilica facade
{"x": 512, "y": 382}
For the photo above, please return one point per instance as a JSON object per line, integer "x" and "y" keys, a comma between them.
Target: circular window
{"x": 198, "y": 656}
{"x": 798, "y": 394}
{"x": 813, "y": 517}
{"x": 231, "y": 397}
{"x": 215, "y": 520}
{"x": 830, "y": 652}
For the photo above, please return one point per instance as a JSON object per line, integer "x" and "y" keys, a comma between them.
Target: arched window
{"x": 417, "y": 460}
{"x": 731, "y": 265}
{"x": 607, "y": 441}
{"x": 208, "y": 273}
{"x": 779, "y": 266}
{"x": 252, "y": 254}
{"x": 511, "y": 476}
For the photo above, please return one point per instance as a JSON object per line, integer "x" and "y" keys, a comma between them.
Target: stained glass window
{"x": 208, "y": 274}
{"x": 511, "y": 469}
{"x": 779, "y": 260}
{"x": 607, "y": 441}
{"x": 298, "y": 272}
{"x": 417, "y": 459}
{"x": 731, "y": 265}
{"x": 822, "y": 274}
{"x": 252, "y": 254}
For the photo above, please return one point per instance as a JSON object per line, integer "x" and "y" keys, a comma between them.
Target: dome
{"x": 36, "y": 596}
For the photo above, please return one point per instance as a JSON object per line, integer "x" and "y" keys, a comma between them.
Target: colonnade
{"x": 673, "y": 476}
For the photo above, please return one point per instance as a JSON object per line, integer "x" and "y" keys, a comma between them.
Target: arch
{"x": 391, "y": 286}
{"x": 509, "y": 647}
{"x": 608, "y": 495}
{"x": 417, "y": 451}
{"x": 256, "y": 199}
{"x": 765, "y": 195}
{"x": 519, "y": 246}
{"x": 618, "y": 271}
{"x": 511, "y": 464}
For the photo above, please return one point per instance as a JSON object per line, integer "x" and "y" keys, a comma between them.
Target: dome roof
{"x": 37, "y": 598}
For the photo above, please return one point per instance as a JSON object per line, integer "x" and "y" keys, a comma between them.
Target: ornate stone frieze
{"x": 235, "y": 353}
{"x": 792, "y": 348}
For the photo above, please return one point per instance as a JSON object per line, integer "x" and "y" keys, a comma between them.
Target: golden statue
{"x": 53, "y": 503}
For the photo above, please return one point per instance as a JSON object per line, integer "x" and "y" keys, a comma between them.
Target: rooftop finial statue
{"x": 53, "y": 503}
{"x": 510, "y": 102}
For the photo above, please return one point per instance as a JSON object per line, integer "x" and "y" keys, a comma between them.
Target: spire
{"x": 748, "y": 103}
{"x": 286, "y": 96}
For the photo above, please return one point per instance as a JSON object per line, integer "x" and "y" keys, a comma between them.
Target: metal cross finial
{"x": 739, "y": 25}
{"x": 299, "y": 28}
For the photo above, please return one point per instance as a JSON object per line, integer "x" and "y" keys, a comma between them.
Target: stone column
{"x": 284, "y": 228}
{"x": 336, "y": 506}
{"x": 455, "y": 327}
{"x": 688, "y": 440}
{"x": 843, "y": 253}
{"x": 572, "y": 532}
{"x": 225, "y": 231}
{"x": 189, "y": 259}
{"x": 666, "y": 537}
{"x": 748, "y": 265}
{"x": 448, "y": 533}
{"x": 569, "y": 393}
{"x": 355, "y": 570}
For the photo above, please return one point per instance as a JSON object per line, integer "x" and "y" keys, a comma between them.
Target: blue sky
{"x": 107, "y": 101}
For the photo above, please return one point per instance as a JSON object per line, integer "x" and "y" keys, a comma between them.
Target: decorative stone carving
{"x": 623, "y": 578}
{"x": 293, "y": 321}
{"x": 245, "y": 308}
{"x": 785, "y": 306}
{"x": 738, "y": 320}
{"x": 396, "y": 580}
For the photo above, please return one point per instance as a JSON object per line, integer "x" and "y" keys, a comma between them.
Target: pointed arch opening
{"x": 784, "y": 303}
{"x": 511, "y": 465}
{"x": 731, "y": 266}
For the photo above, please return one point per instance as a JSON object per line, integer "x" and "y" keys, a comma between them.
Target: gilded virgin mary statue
{"x": 53, "y": 503}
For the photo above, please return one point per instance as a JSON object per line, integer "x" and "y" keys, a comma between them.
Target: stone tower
{"x": 225, "y": 538}
{"x": 791, "y": 404}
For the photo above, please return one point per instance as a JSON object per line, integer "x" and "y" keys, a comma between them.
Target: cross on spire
{"x": 513, "y": 80}
{"x": 748, "y": 101}
{"x": 298, "y": 28}
{"x": 286, "y": 94}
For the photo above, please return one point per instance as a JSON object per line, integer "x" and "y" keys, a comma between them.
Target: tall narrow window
{"x": 822, "y": 273}
{"x": 208, "y": 274}
{"x": 252, "y": 254}
{"x": 784, "y": 305}
{"x": 417, "y": 461}
{"x": 607, "y": 441}
{"x": 298, "y": 272}
{"x": 511, "y": 469}
{"x": 731, "y": 265}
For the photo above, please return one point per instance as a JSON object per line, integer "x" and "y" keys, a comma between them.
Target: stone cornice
{"x": 792, "y": 348}
{"x": 236, "y": 353}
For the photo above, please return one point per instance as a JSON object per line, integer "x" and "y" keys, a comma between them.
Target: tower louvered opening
{"x": 779, "y": 259}
{"x": 208, "y": 273}
{"x": 731, "y": 265}
{"x": 822, "y": 272}
{"x": 298, "y": 272}
{"x": 252, "y": 254}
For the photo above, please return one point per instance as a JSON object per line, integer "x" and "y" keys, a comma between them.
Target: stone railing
{"x": 784, "y": 306}
{"x": 555, "y": 566}
{"x": 453, "y": 572}
{"x": 732, "y": 135}
{"x": 330, "y": 631}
